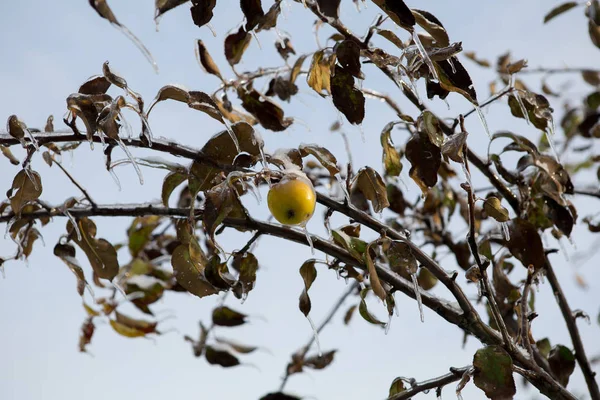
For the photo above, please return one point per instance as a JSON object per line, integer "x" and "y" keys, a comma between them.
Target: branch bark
{"x": 435, "y": 383}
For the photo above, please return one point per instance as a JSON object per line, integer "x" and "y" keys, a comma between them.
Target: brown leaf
{"x": 308, "y": 272}
{"x": 269, "y": 20}
{"x": 269, "y": 114}
{"x": 194, "y": 99}
{"x": 235, "y": 45}
{"x": 401, "y": 259}
{"x": 319, "y": 74}
{"x": 8, "y": 154}
{"x": 162, "y": 6}
{"x": 348, "y": 55}
{"x": 225, "y": 316}
{"x": 479, "y": 61}
{"x": 26, "y": 188}
{"x": 433, "y": 26}
{"x": 425, "y": 159}
{"x": 15, "y": 127}
{"x": 101, "y": 254}
{"x": 324, "y": 156}
{"x": 190, "y": 273}
{"x": 494, "y": 209}
{"x": 329, "y": 8}
{"x": 454, "y": 147}
{"x": 399, "y": 12}
{"x": 347, "y": 99}
{"x": 253, "y": 12}
{"x": 392, "y": 37}
{"x": 320, "y": 362}
{"x": 562, "y": 8}
{"x": 219, "y": 357}
{"x": 525, "y": 243}
{"x": 455, "y": 78}
{"x": 206, "y": 60}
{"x": 221, "y": 202}
{"x": 371, "y": 185}
{"x": 391, "y": 156}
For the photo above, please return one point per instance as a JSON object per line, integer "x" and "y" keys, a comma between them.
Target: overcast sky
{"x": 50, "y": 48}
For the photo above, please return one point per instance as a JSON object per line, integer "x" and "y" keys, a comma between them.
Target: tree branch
{"x": 580, "y": 355}
{"x": 434, "y": 383}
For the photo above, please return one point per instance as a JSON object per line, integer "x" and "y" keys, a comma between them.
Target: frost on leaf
{"x": 324, "y": 156}
{"x": 493, "y": 373}
{"x": 206, "y": 60}
{"x": 399, "y": 12}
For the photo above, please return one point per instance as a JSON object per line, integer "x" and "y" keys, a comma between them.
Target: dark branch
{"x": 434, "y": 383}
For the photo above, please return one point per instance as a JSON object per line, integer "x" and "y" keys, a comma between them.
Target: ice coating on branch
{"x": 424, "y": 55}
{"x": 483, "y": 120}
{"x": 342, "y": 184}
{"x": 505, "y": 230}
{"x": 315, "y": 335}
{"x": 74, "y": 223}
{"x": 132, "y": 160}
{"x": 308, "y": 238}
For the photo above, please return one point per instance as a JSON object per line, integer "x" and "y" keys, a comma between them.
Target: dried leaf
{"x": 221, "y": 202}
{"x": 454, "y": 147}
{"x": 525, "y": 243}
{"x": 235, "y": 45}
{"x": 206, "y": 60}
{"x": 455, "y": 78}
{"x": 364, "y": 312}
{"x": 562, "y": 8}
{"x": 399, "y": 12}
{"x": 189, "y": 273}
{"x": 425, "y": 159}
{"x": 101, "y": 254}
{"x": 137, "y": 324}
{"x": 329, "y": 8}
{"x": 268, "y": 113}
{"x": 202, "y": 11}
{"x": 162, "y": 6}
{"x": 401, "y": 259}
{"x": 308, "y": 272}
{"x": 172, "y": 180}
{"x": 349, "y": 314}
{"x": 346, "y": 98}
{"x": 320, "y": 362}
{"x": 8, "y": 154}
{"x": 373, "y": 277}
{"x": 348, "y": 55}
{"x": 494, "y": 209}
{"x": 371, "y": 185}
{"x": 324, "y": 156}
{"x": 562, "y": 363}
{"x": 253, "y": 12}
{"x": 479, "y": 61}
{"x": 225, "y": 316}
{"x": 66, "y": 252}
{"x": 433, "y": 26}
{"x": 319, "y": 74}
{"x": 391, "y": 156}
{"x": 392, "y": 37}
{"x": 15, "y": 127}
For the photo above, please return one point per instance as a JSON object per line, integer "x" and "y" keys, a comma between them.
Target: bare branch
{"x": 434, "y": 383}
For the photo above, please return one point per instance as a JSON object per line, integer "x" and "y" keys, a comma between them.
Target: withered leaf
{"x": 479, "y": 61}
{"x": 373, "y": 277}
{"x": 247, "y": 265}
{"x": 97, "y": 84}
{"x": 329, "y": 8}
{"x": 319, "y": 74}
{"x": 235, "y": 45}
{"x": 8, "y": 154}
{"x": 284, "y": 48}
{"x": 364, "y": 312}
{"x": 348, "y": 55}
{"x": 101, "y": 254}
{"x": 162, "y": 6}
{"x": 269, "y": 20}
{"x": 253, "y": 12}
{"x": 225, "y": 316}
{"x": 537, "y": 107}
{"x": 494, "y": 209}
{"x": 189, "y": 273}
{"x": 171, "y": 181}
{"x": 562, "y": 8}
{"x": 594, "y": 32}
{"x": 455, "y": 78}
{"x": 401, "y": 259}
{"x": 371, "y": 185}
{"x": 194, "y": 99}
{"x": 137, "y": 324}
{"x": 66, "y": 252}
{"x": 525, "y": 243}
{"x": 15, "y": 127}
{"x": 391, "y": 156}
{"x": 320, "y": 362}
{"x": 392, "y": 37}
{"x": 237, "y": 347}
{"x": 125, "y": 330}
{"x": 349, "y": 314}
{"x": 493, "y": 373}
{"x": 202, "y": 11}
{"x": 433, "y": 26}
{"x": 220, "y": 357}
{"x": 454, "y": 147}
{"x": 592, "y": 77}
{"x": 26, "y": 187}
{"x": 324, "y": 156}
{"x": 562, "y": 363}
{"x": 399, "y": 12}
{"x": 347, "y": 99}
{"x": 206, "y": 60}
{"x": 269, "y": 115}
{"x": 308, "y": 272}
{"x": 221, "y": 202}
{"x": 425, "y": 159}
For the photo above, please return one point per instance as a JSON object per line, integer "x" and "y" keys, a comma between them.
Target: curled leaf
{"x": 371, "y": 185}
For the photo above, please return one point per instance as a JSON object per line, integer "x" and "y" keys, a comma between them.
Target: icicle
{"x": 315, "y": 335}
{"x": 386, "y": 329}
{"x": 139, "y": 45}
{"x": 212, "y": 30}
{"x": 2, "y": 271}
{"x": 33, "y": 140}
{"x": 523, "y": 109}
{"x": 127, "y": 126}
{"x": 362, "y": 133}
{"x": 549, "y": 132}
{"x": 424, "y": 55}
{"x": 74, "y": 223}
{"x": 257, "y": 41}
{"x": 31, "y": 178}
{"x": 244, "y": 297}
{"x": 146, "y": 132}
{"x": 452, "y": 65}
{"x": 483, "y": 121}
{"x": 309, "y": 240}
{"x": 418, "y": 295}
{"x": 232, "y": 135}
{"x": 130, "y": 156}
{"x": 505, "y": 230}
{"x": 467, "y": 174}
{"x": 115, "y": 179}
{"x": 342, "y": 184}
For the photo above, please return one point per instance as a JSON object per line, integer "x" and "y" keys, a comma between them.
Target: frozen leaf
{"x": 140, "y": 232}
{"x": 347, "y": 99}
{"x": 269, "y": 20}
{"x": 101, "y": 254}
{"x": 426, "y": 279}
{"x": 8, "y": 154}
{"x": 433, "y": 26}
{"x": 221, "y": 202}
{"x": 425, "y": 159}
{"x": 237, "y": 347}
{"x": 392, "y": 37}
{"x": 66, "y": 252}
{"x": 401, "y": 259}
{"x": 190, "y": 273}
{"x": 479, "y": 61}
{"x": 308, "y": 272}
{"x": 220, "y": 357}
{"x": 162, "y": 6}
{"x": 225, "y": 316}
{"x": 493, "y": 373}
{"x": 235, "y": 45}
{"x": 562, "y": 363}
{"x": 148, "y": 295}
{"x": 364, "y": 312}
{"x": 538, "y": 109}
{"x": 562, "y": 8}
{"x": 15, "y": 127}
{"x": 282, "y": 87}
{"x": 430, "y": 124}
{"x": 396, "y": 387}
{"x": 324, "y": 156}
{"x": 355, "y": 246}
{"x": 349, "y": 314}
{"x": 455, "y": 78}
{"x": 525, "y": 243}
{"x": 391, "y": 156}
{"x": 396, "y": 198}
{"x": 268, "y": 113}
{"x": 319, "y": 74}
{"x": 172, "y": 180}
{"x": 253, "y": 12}
{"x": 202, "y": 11}
{"x": 516, "y": 66}
{"x": 247, "y": 265}
{"x": 85, "y": 337}
{"x": 399, "y": 12}
{"x": 348, "y": 55}
{"x": 454, "y": 147}
{"x": 494, "y": 209}
{"x": 285, "y": 48}
{"x": 320, "y": 361}
{"x": 218, "y": 274}
{"x": 26, "y": 188}
{"x": 194, "y": 99}
{"x": 206, "y": 60}
{"x": 329, "y": 8}
{"x": 95, "y": 85}
{"x": 373, "y": 277}
{"x": 125, "y": 330}
{"x": 137, "y": 324}
{"x": 371, "y": 185}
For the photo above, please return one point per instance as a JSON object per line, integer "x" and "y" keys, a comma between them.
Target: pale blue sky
{"x": 50, "y": 48}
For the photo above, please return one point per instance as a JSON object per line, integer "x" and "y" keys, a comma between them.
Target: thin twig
{"x": 565, "y": 70}
{"x": 524, "y": 311}
{"x": 435, "y": 383}
{"x": 72, "y": 179}
{"x": 485, "y": 103}
{"x": 301, "y": 352}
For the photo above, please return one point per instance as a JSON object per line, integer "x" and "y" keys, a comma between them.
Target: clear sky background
{"x": 50, "y": 48}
